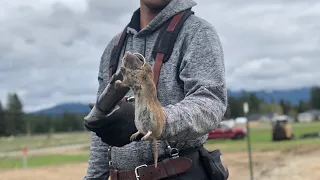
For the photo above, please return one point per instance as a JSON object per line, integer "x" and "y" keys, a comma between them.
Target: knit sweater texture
{"x": 191, "y": 89}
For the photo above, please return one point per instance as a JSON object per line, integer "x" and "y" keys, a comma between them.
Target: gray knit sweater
{"x": 193, "y": 94}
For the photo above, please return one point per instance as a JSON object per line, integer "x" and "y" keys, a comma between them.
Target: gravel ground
{"x": 293, "y": 164}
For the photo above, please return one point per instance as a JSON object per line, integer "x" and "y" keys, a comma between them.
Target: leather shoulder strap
{"x": 115, "y": 53}
{"x": 166, "y": 40}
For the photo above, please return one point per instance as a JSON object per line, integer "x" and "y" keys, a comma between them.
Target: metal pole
{"x": 246, "y": 110}
{"x": 24, "y": 161}
{"x": 25, "y": 158}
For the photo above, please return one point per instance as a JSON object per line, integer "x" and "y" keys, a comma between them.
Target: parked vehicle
{"x": 225, "y": 132}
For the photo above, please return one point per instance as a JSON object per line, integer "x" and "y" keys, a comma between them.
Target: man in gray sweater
{"x": 191, "y": 89}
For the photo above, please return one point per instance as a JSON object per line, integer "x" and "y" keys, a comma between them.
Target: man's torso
{"x": 170, "y": 91}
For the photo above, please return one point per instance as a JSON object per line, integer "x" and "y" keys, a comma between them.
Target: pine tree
{"x": 2, "y": 121}
{"x": 15, "y": 121}
{"x": 315, "y": 97}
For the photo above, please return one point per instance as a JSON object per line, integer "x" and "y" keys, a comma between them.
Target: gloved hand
{"x": 116, "y": 128}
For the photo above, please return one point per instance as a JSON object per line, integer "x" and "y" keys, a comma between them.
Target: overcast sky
{"x": 50, "y": 49}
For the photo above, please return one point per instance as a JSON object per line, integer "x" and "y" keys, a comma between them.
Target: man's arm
{"x": 203, "y": 74}
{"x": 98, "y": 167}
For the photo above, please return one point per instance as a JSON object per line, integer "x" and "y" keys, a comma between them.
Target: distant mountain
{"x": 77, "y": 108}
{"x": 294, "y": 96}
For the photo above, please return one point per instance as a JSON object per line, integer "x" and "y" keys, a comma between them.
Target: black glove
{"x": 116, "y": 128}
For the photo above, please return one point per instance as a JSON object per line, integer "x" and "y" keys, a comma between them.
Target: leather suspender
{"x": 115, "y": 53}
{"x": 160, "y": 55}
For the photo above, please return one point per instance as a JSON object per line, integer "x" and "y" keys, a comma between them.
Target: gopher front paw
{"x": 122, "y": 69}
{"x": 118, "y": 84}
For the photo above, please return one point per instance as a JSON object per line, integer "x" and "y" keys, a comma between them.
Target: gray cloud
{"x": 268, "y": 44}
{"x": 50, "y": 51}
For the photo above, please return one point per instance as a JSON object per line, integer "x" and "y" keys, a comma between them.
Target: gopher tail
{"x": 155, "y": 152}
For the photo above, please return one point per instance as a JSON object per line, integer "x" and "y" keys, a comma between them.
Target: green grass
{"x": 299, "y": 129}
{"x": 42, "y": 141}
{"x": 33, "y": 161}
{"x": 241, "y": 145}
{"x": 261, "y": 139}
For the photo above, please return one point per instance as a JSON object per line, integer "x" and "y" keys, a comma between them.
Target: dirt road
{"x": 293, "y": 164}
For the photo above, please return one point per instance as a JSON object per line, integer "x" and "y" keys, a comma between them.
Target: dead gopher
{"x": 149, "y": 114}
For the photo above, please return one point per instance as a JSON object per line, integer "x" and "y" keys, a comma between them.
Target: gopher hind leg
{"x": 135, "y": 135}
{"x": 147, "y": 136}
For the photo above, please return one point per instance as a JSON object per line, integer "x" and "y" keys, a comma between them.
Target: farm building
{"x": 264, "y": 118}
{"x": 309, "y": 116}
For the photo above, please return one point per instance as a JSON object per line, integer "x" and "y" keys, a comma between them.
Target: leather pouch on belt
{"x": 213, "y": 164}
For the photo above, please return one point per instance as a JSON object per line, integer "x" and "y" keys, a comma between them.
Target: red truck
{"x": 225, "y": 132}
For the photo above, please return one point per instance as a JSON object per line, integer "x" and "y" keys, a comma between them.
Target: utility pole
{"x": 246, "y": 111}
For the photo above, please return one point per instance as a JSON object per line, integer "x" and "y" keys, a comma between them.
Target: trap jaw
{"x": 141, "y": 58}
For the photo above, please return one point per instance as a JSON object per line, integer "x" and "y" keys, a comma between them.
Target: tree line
{"x": 258, "y": 105}
{"x": 13, "y": 121}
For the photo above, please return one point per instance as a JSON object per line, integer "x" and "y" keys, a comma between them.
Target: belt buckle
{"x": 136, "y": 170}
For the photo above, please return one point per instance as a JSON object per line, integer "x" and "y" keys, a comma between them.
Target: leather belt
{"x": 166, "y": 168}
